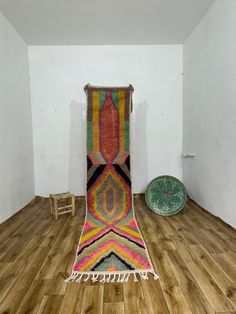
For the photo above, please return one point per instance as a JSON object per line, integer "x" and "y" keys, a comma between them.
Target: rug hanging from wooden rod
{"x": 111, "y": 247}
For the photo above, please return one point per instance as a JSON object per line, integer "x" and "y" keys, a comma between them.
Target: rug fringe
{"x": 110, "y": 277}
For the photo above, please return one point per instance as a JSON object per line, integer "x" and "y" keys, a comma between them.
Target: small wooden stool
{"x": 56, "y": 199}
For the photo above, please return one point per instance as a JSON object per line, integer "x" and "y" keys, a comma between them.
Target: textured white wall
{"x": 58, "y": 75}
{"x": 210, "y": 111}
{"x": 16, "y": 149}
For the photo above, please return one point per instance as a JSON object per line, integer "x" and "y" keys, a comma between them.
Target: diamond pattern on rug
{"x": 111, "y": 243}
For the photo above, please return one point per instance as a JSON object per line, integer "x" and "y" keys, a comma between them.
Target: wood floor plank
{"x": 175, "y": 299}
{"x": 211, "y": 230}
{"x": 9, "y": 277}
{"x": 172, "y": 292}
{"x": 227, "y": 286}
{"x": 201, "y": 237}
{"x": 231, "y": 312}
{"x": 224, "y": 244}
{"x": 228, "y": 266}
{"x": 57, "y": 285}
{"x": 11, "y": 226}
{"x": 50, "y": 264}
{"x": 17, "y": 241}
{"x": 164, "y": 241}
{"x": 68, "y": 255}
{"x": 4, "y": 267}
{"x": 150, "y": 234}
{"x": 134, "y": 302}
{"x": 153, "y": 231}
{"x": 50, "y": 304}
{"x": 51, "y": 232}
{"x": 73, "y": 298}
{"x": 213, "y": 293}
{"x": 215, "y": 222}
{"x": 23, "y": 282}
{"x": 113, "y": 293}
{"x": 165, "y": 222}
{"x": 114, "y": 308}
{"x": 198, "y": 303}
{"x": 193, "y": 252}
{"x": 93, "y": 299}
{"x": 231, "y": 255}
{"x": 33, "y": 297}
{"x": 154, "y": 297}
{"x": 183, "y": 230}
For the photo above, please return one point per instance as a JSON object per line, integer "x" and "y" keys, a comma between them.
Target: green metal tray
{"x": 166, "y": 195}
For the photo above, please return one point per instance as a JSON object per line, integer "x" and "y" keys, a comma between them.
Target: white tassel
{"x": 103, "y": 279}
{"x": 87, "y": 278}
{"x": 70, "y": 278}
{"x": 155, "y": 275}
{"x": 127, "y": 277}
{"x": 109, "y": 278}
{"x": 79, "y": 279}
{"x": 141, "y": 274}
{"x": 118, "y": 280}
{"x": 95, "y": 278}
{"x": 114, "y": 278}
{"x": 123, "y": 278}
{"x": 75, "y": 276}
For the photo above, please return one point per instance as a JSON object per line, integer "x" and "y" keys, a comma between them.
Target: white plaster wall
{"x": 58, "y": 75}
{"x": 16, "y": 149}
{"x": 210, "y": 111}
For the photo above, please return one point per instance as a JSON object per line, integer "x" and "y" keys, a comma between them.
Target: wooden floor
{"x": 193, "y": 252}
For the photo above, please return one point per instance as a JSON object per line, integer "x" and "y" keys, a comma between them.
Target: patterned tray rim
{"x": 166, "y": 214}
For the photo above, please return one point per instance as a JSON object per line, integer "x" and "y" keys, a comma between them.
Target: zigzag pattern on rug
{"x": 111, "y": 247}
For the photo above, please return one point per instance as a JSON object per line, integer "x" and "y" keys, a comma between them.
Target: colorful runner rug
{"x": 111, "y": 247}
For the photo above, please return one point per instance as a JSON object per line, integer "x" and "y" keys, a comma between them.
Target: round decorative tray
{"x": 166, "y": 195}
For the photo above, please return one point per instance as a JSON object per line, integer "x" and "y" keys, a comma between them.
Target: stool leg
{"x": 56, "y": 209}
{"x": 51, "y": 204}
{"x": 73, "y": 205}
